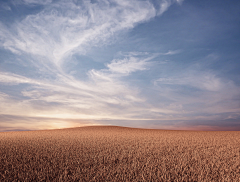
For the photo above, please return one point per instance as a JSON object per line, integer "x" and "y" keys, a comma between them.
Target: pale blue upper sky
{"x": 169, "y": 64}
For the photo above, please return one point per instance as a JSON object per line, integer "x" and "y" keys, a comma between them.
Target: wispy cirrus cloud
{"x": 99, "y": 97}
{"x": 36, "y": 2}
{"x": 49, "y": 35}
{"x": 64, "y": 27}
{"x": 201, "y": 93}
{"x": 130, "y": 63}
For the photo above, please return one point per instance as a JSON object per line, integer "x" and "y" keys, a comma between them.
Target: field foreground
{"x": 108, "y": 153}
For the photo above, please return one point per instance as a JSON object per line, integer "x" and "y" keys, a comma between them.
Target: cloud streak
{"x": 99, "y": 97}
{"x": 64, "y": 27}
{"x": 201, "y": 93}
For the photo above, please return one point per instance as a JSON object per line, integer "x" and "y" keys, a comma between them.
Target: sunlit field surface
{"x": 108, "y": 153}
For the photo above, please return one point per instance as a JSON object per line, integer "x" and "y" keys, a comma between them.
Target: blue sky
{"x": 168, "y": 64}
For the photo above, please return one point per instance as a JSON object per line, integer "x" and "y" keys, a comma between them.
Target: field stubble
{"x": 108, "y": 153}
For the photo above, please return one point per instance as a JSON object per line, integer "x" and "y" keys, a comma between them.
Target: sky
{"x": 164, "y": 64}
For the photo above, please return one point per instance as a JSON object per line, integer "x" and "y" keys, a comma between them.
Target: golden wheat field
{"x": 109, "y": 153}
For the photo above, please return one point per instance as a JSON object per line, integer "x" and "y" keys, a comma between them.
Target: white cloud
{"x": 92, "y": 97}
{"x": 64, "y": 27}
{"x": 164, "y": 5}
{"x": 30, "y": 2}
{"x": 179, "y": 1}
{"x": 195, "y": 77}
{"x": 201, "y": 93}
{"x": 5, "y": 7}
{"x": 41, "y": 2}
{"x": 202, "y": 80}
{"x": 170, "y": 52}
{"x": 128, "y": 65}
{"x": 10, "y": 78}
